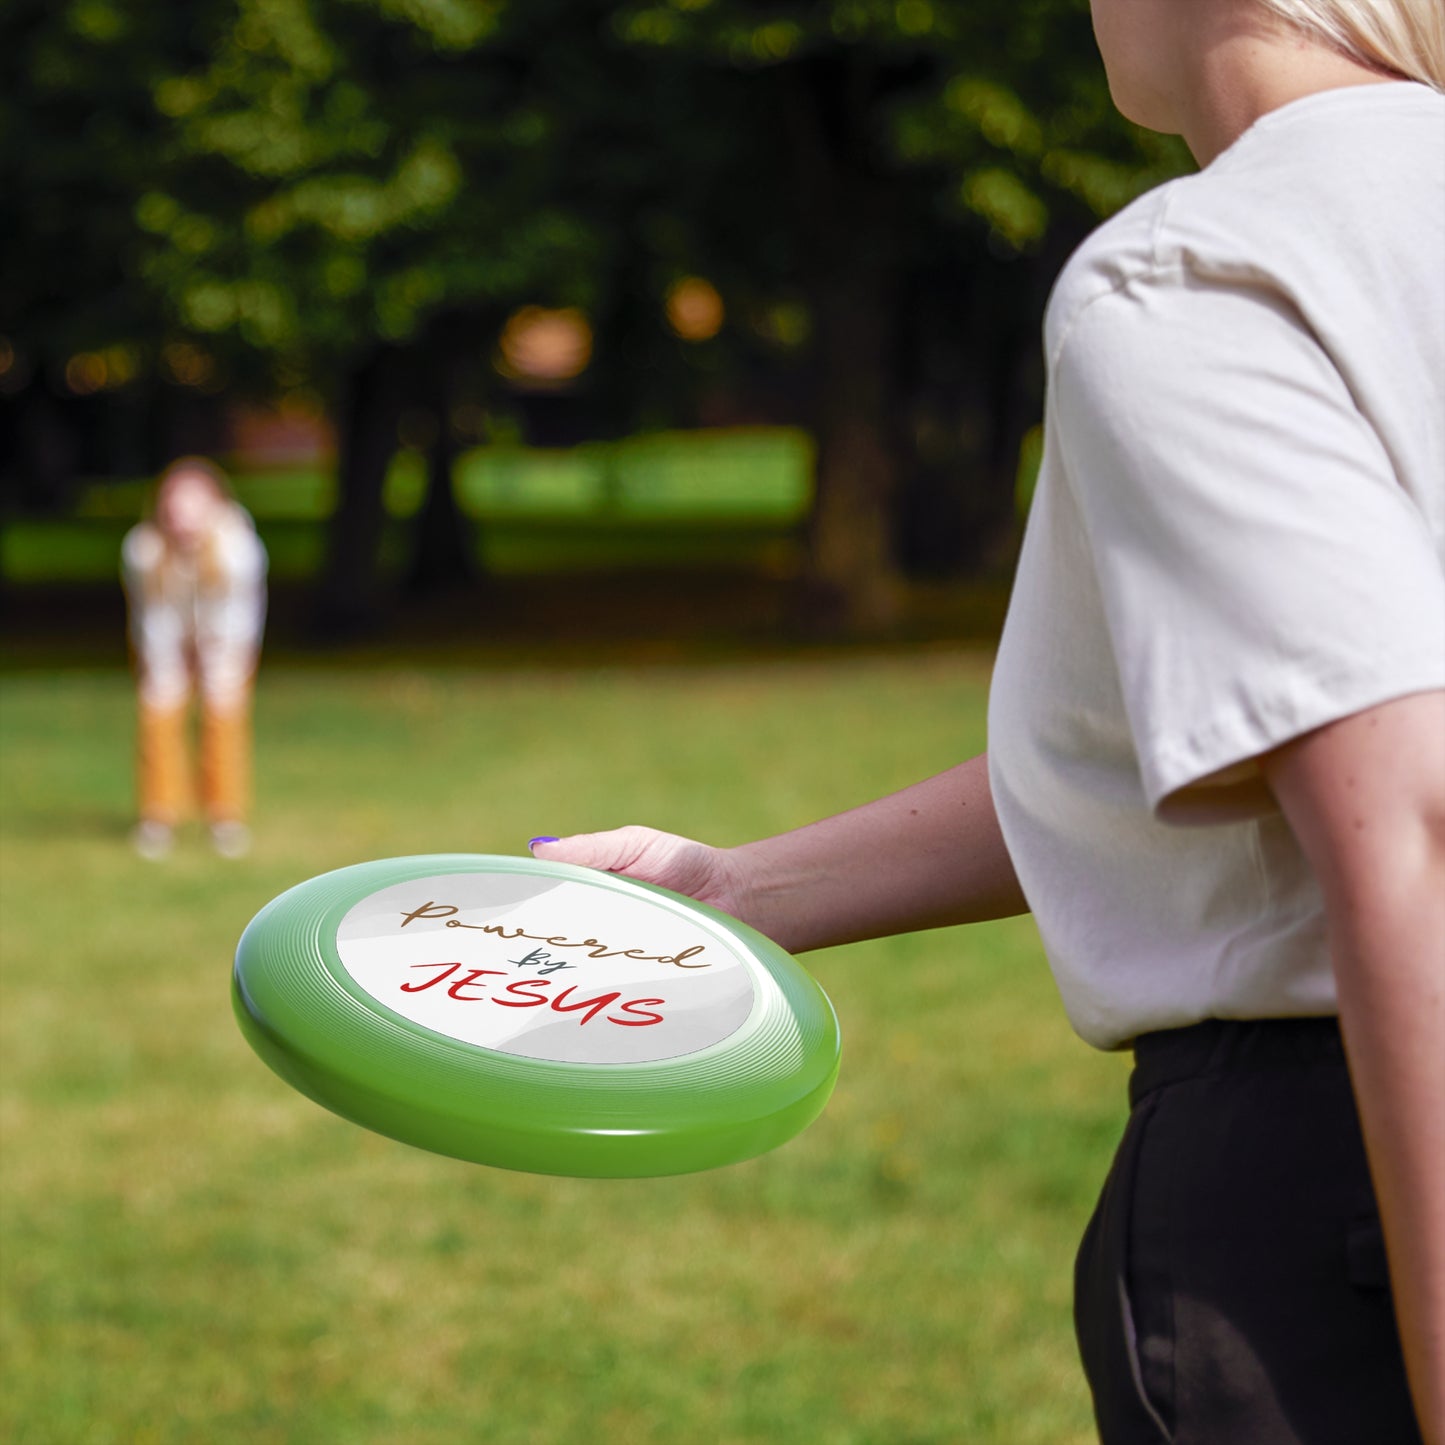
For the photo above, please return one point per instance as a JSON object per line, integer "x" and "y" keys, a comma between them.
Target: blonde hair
{"x": 203, "y": 466}
{"x": 210, "y": 570}
{"x": 1404, "y": 37}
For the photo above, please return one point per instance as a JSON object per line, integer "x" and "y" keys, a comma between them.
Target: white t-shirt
{"x": 194, "y": 619}
{"x": 1238, "y": 536}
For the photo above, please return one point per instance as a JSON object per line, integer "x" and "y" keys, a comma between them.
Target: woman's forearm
{"x": 926, "y": 857}
{"x": 1366, "y": 799}
{"x": 1389, "y": 956}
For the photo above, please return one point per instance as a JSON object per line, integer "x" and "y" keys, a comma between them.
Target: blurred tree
{"x": 79, "y": 139}
{"x": 353, "y": 195}
{"x": 924, "y": 165}
{"x": 366, "y": 189}
{"x": 363, "y": 190}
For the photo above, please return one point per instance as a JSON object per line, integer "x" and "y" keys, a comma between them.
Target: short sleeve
{"x": 241, "y": 553}
{"x": 1263, "y": 571}
{"x": 140, "y": 554}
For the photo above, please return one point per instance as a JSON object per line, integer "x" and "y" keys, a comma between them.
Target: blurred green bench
{"x": 735, "y": 497}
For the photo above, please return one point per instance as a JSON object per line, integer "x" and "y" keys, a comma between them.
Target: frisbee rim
{"x": 306, "y": 1015}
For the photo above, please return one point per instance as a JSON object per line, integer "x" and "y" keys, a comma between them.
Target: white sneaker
{"x": 152, "y": 840}
{"x": 231, "y": 839}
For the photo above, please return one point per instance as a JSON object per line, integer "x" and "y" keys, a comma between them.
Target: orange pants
{"x": 163, "y": 762}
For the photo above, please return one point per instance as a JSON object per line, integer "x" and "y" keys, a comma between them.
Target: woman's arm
{"x": 1366, "y": 799}
{"x": 926, "y": 857}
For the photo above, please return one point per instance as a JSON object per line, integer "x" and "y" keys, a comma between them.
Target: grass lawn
{"x": 192, "y": 1252}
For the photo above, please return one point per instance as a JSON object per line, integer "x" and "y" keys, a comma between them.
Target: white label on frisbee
{"x": 547, "y": 968}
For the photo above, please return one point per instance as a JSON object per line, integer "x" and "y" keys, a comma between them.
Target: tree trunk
{"x": 974, "y": 387}
{"x": 349, "y": 598}
{"x": 47, "y": 450}
{"x": 442, "y": 557}
{"x": 852, "y": 567}
{"x": 851, "y": 264}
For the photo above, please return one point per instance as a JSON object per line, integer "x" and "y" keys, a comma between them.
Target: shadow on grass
{"x": 62, "y": 824}
{"x": 577, "y": 620}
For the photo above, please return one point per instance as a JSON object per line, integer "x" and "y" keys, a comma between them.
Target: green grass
{"x": 194, "y": 1253}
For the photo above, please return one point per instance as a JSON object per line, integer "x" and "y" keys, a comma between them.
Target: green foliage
{"x": 1002, "y": 106}
{"x": 342, "y": 172}
{"x": 299, "y": 178}
{"x": 191, "y": 1251}
{"x": 79, "y": 140}
{"x": 351, "y": 196}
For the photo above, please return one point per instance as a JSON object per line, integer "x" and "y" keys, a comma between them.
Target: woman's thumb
{"x": 612, "y": 851}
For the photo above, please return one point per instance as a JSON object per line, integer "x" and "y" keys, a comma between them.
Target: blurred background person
{"x": 195, "y": 582}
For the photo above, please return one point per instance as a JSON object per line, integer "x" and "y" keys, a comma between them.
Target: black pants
{"x": 1231, "y": 1288}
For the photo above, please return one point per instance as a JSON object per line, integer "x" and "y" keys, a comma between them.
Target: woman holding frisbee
{"x": 195, "y": 582}
{"x": 1217, "y": 734}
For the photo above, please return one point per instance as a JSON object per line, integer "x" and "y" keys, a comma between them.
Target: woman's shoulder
{"x": 1339, "y": 192}
{"x": 1194, "y": 229}
{"x": 1109, "y": 259}
{"x": 143, "y": 548}
{"x": 238, "y": 547}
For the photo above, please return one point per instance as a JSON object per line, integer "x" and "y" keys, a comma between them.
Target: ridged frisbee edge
{"x": 580, "y": 1152}
{"x": 590, "y": 1120}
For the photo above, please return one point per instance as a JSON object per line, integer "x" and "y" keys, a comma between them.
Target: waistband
{"x": 1225, "y": 1046}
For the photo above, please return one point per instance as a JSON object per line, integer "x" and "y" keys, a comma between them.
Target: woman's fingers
{"x": 614, "y": 851}
{"x": 681, "y": 864}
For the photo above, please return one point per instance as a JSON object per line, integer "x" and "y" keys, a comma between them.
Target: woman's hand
{"x": 927, "y": 857}
{"x": 711, "y": 875}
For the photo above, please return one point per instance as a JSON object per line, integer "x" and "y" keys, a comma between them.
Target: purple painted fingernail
{"x": 532, "y": 843}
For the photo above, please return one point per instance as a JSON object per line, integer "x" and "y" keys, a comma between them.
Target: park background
{"x": 639, "y": 402}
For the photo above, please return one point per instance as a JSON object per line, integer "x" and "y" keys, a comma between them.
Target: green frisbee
{"x": 535, "y": 1016}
